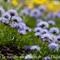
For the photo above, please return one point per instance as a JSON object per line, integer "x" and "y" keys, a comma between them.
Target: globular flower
{"x": 47, "y": 37}
{"x": 39, "y": 20}
{"x": 57, "y": 38}
{"x": 53, "y": 46}
{"x": 28, "y": 56}
{"x": 24, "y": 12}
{"x": 37, "y": 29}
{"x": 27, "y": 29}
{"x": 58, "y": 14}
{"x": 38, "y": 34}
{"x": 44, "y": 31}
{"x": 51, "y": 22}
{"x": 35, "y": 47}
{"x": 47, "y": 58}
{"x": 35, "y": 13}
{"x": 14, "y": 25}
{"x": 23, "y": 32}
{"x": 43, "y": 24}
{"x": 13, "y": 12}
{"x": 20, "y": 26}
{"x": 42, "y": 8}
{"x": 54, "y": 30}
{"x": 6, "y": 15}
{"x": 1, "y": 10}
{"x": 55, "y": 14}
{"x": 22, "y": 29}
{"x": 53, "y": 36}
{"x": 49, "y": 16}
{"x": 5, "y": 21}
{"x": 28, "y": 48}
{"x": 17, "y": 19}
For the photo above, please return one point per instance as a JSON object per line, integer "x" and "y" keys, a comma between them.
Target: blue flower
{"x": 44, "y": 31}
{"x": 13, "y": 12}
{"x": 39, "y": 20}
{"x": 57, "y": 38}
{"x": 37, "y": 29}
{"x": 24, "y": 11}
{"x": 35, "y": 13}
{"x": 1, "y": 10}
{"x": 58, "y": 15}
{"x": 23, "y": 32}
{"x": 51, "y": 22}
{"x": 49, "y": 16}
{"x": 28, "y": 48}
{"x": 17, "y": 19}
{"x": 47, "y": 37}
{"x": 54, "y": 30}
{"x": 5, "y": 21}
{"x": 42, "y": 8}
{"x": 43, "y": 24}
{"x": 47, "y": 58}
{"x": 53, "y": 46}
{"x": 14, "y": 25}
{"x": 35, "y": 47}
{"x": 6, "y": 15}
{"x": 28, "y": 57}
{"x": 38, "y": 34}
{"x": 27, "y": 29}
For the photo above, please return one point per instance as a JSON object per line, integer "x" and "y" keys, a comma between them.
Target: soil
{"x": 10, "y": 50}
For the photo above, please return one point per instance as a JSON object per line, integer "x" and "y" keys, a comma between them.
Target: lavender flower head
{"x": 35, "y": 13}
{"x": 49, "y": 16}
{"x": 58, "y": 15}
{"x": 23, "y": 32}
{"x": 51, "y": 22}
{"x": 37, "y": 29}
{"x": 28, "y": 48}
{"x": 28, "y": 57}
{"x": 44, "y": 31}
{"x": 54, "y": 30}
{"x": 53, "y": 46}
{"x": 47, "y": 37}
{"x": 1, "y": 10}
{"x": 35, "y": 47}
{"x": 13, "y": 12}
{"x": 24, "y": 12}
{"x": 27, "y": 29}
{"x": 14, "y": 25}
{"x": 39, "y": 20}
{"x": 17, "y": 19}
{"x": 47, "y": 58}
{"x": 43, "y": 24}
{"x": 6, "y": 15}
{"x": 5, "y": 21}
{"x": 57, "y": 38}
{"x": 38, "y": 34}
{"x": 42, "y": 8}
